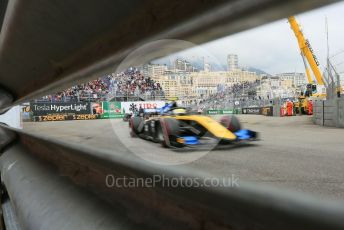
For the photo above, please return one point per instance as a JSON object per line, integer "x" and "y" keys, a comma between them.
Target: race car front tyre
{"x": 171, "y": 130}
{"x": 159, "y": 134}
{"x": 136, "y": 126}
{"x": 232, "y": 123}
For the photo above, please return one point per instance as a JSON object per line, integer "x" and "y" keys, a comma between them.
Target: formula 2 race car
{"x": 180, "y": 129}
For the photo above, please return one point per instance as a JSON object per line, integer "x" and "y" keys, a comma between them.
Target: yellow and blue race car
{"x": 179, "y": 128}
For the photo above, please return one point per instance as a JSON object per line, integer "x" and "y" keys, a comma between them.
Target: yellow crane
{"x": 314, "y": 88}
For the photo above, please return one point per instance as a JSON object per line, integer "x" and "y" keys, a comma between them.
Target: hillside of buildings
{"x": 184, "y": 80}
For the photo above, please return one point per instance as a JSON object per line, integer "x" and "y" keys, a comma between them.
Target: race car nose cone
{"x": 189, "y": 140}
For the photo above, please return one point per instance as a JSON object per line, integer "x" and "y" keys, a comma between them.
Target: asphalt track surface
{"x": 292, "y": 153}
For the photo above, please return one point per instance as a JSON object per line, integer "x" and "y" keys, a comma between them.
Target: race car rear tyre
{"x": 232, "y": 123}
{"x": 135, "y": 125}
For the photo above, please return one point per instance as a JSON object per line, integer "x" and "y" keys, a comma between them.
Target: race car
{"x": 180, "y": 129}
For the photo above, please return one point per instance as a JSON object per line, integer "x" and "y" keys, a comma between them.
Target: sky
{"x": 273, "y": 47}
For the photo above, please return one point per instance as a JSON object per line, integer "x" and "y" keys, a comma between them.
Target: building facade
{"x": 298, "y": 79}
{"x": 153, "y": 70}
{"x": 232, "y": 62}
{"x": 176, "y": 84}
{"x": 184, "y": 65}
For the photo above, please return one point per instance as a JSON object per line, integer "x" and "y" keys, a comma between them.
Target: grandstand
{"x": 236, "y": 96}
{"x": 132, "y": 85}
{"x": 127, "y": 85}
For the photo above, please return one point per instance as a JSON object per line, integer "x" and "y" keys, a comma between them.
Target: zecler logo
{"x": 60, "y": 108}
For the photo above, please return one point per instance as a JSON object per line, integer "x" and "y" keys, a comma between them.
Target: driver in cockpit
{"x": 169, "y": 107}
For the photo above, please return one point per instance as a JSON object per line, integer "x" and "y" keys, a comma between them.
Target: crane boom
{"x": 306, "y": 52}
{"x": 308, "y": 74}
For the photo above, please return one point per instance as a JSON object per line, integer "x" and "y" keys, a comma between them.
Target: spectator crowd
{"x": 133, "y": 83}
{"x": 238, "y": 95}
{"x": 127, "y": 84}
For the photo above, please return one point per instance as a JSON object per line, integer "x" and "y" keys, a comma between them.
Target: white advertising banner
{"x": 134, "y": 106}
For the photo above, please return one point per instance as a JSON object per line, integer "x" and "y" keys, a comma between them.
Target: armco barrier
{"x": 66, "y": 117}
{"x": 69, "y": 117}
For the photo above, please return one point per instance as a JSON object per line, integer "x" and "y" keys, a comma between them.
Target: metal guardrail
{"x": 57, "y": 185}
{"x": 249, "y": 206}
